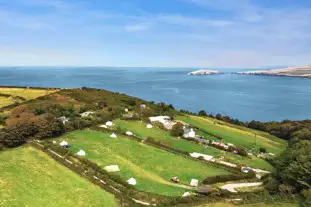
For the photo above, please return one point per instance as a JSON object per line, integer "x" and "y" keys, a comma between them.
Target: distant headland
{"x": 297, "y": 71}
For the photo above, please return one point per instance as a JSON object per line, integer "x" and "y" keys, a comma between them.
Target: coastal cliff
{"x": 297, "y": 71}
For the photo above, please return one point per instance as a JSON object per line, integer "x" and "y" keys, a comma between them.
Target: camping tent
{"x": 131, "y": 181}
{"x": 63, "y": 143}
{"x": 103, "y": 126}
{"x": 186, "y": 194}
{"x": 81, "y": 153}
{"x": 129, "y": 133}
{"x": 109, "y": 123}
{"x": 149, "y": 126}
{"x": 194, "y": 182}
{"x": 112, "y": 168}
{"x": 113, "y": 135}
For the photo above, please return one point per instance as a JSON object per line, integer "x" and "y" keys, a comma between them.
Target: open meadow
{"x": 237, "y": 136}
{"x": 140, "y": 130}
{"x": 28, "y": 177}
{"x": 151, "y": 167}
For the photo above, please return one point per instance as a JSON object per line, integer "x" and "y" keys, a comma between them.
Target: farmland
{"x": 28, "y": 177}
{"x": 151, "y": 167}
{"x": 237, "y": 136}
{"x": 10, "y": 96}
{"x": 140, "y": 130}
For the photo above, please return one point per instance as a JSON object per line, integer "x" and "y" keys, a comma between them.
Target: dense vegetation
{"x": 293, "y": 166}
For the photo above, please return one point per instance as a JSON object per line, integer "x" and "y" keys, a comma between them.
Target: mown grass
{"x": 237, "y": 136}
{"x": 140, "y": 130}
{"x": 25, "y": 92}
{"x": 28, "y": 177}
{"x": 151, "y": 167}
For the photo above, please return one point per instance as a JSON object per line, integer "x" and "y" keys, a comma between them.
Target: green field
{"x": 140, "y": 130}
{"x": 28, "y": 177}
{"x": 151, "y": 167}
{"x": 237, "y": 136}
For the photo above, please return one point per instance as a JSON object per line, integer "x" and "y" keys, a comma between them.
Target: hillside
{"x": 116, "y": 129}
{"x": 28, "y": 177}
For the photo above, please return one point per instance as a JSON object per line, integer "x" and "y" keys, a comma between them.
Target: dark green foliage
{"x": 225, "y": 178}
{"x": 177, "y": 130}
{"x": 202, "y": 113}
{"x": 3, "y": 118}
{"x": 263, "y": 150}
{"x": 294, "y": 166}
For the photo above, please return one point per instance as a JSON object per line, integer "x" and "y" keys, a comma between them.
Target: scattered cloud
{"x": 136, "y": 27}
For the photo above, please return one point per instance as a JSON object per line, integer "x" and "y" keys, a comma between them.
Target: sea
{"x": 245, "y": 97}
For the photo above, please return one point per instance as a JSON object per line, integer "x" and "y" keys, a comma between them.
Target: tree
{"x": 202, "y": 113}
{"x": 262, "y": 150}
{"x": 177, "y": 130}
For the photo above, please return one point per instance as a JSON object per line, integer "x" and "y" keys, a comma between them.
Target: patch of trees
{"x": 177, "y": 130}
{"x": 230, "y": 177}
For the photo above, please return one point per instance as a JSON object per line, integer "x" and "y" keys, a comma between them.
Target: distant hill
{"x": 296, "y": 71}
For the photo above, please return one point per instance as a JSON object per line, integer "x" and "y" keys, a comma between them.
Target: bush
{"x": 177, "y": 130}
{"x": 202, "y": 113}
{"x": 263, "y": 150}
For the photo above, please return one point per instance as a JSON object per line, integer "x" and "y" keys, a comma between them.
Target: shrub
{"x": 177, "y": 130}
{"x": 263, "y": 150}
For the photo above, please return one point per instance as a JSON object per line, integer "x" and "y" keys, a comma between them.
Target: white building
{"x": 131, "y": 181}
{"x": 87, "y": 113}
{"x": 194, "y": 182}
{"x": 206, "y": 157}
{"x": 81, "y": 153}
{"x": 189, "y": 132}
{"x": 109, "y": 123}
{"x": 161, "y": 119}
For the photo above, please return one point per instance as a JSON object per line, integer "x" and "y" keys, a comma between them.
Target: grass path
{"x": 28, "y": 177}
{"x": 151, "y": 167}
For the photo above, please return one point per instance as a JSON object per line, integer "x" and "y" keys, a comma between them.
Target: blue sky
{"x": 167, "y": 33}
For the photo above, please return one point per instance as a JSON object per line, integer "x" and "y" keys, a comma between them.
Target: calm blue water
{"x": 262, "y": 98}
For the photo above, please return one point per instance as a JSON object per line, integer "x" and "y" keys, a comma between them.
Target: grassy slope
{"x": 236, "y": 136}
{"x": 5, "y": 101}
{"x": 151, "y": 167}
{"x": 26, "y": 93}
{"x": 28, "y": 177}
{"x": 139, "y": 128}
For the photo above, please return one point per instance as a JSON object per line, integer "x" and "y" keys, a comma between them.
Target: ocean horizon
{"x": 263, "y": 98}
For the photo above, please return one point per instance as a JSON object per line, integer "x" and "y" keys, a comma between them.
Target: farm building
{"x": 161, "y": 119}
{"x": 189, "y": 132}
